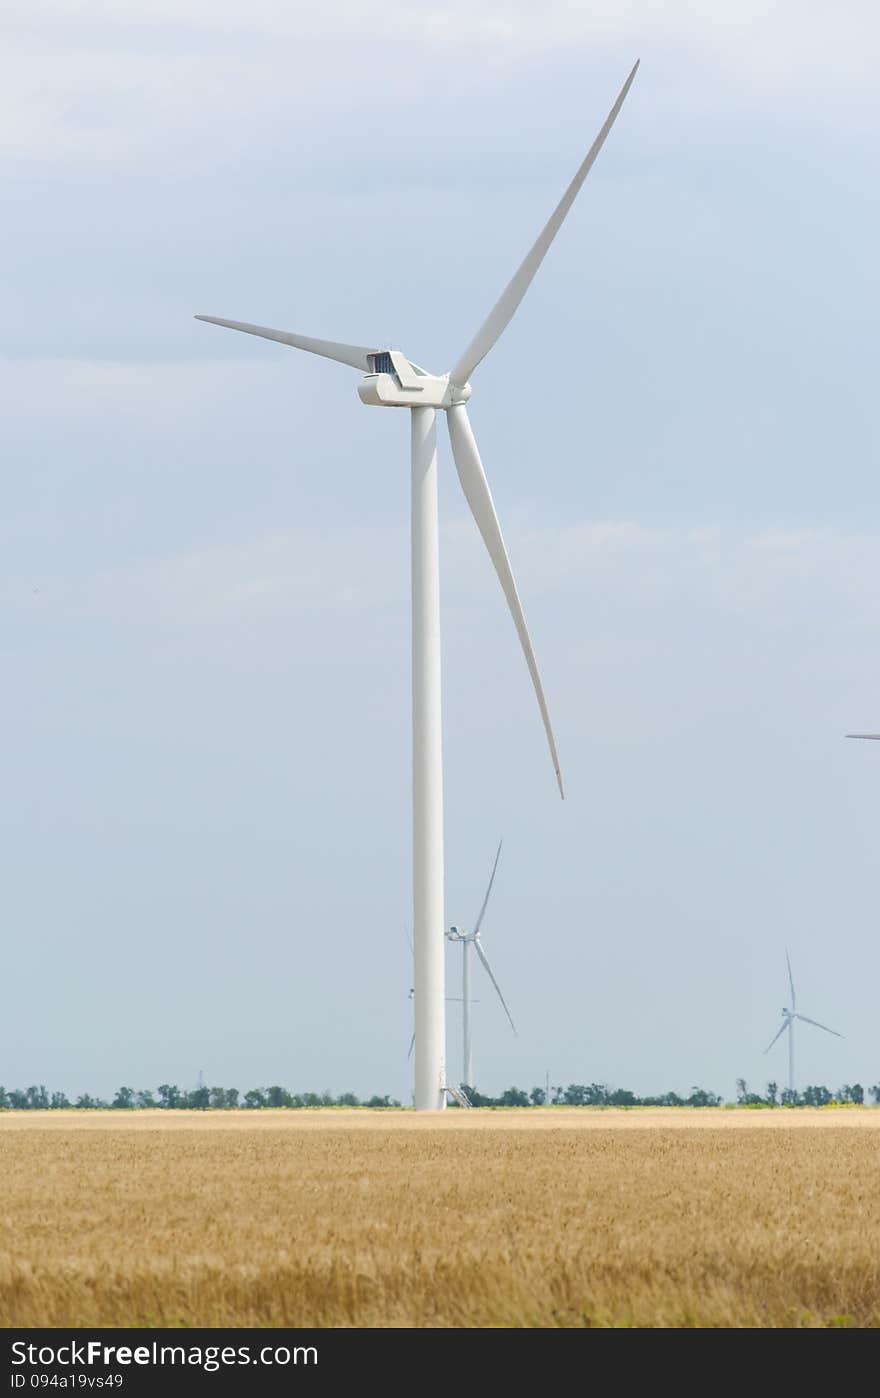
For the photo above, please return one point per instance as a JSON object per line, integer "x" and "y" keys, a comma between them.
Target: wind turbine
{"x": 393, "y": 381}
{"x": 412, "y": 990}
{"x": 788, "y": 1019}
{"x": 467, "y": 940}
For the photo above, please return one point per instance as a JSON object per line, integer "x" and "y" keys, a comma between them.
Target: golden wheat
{"x": 500, "y": 1218}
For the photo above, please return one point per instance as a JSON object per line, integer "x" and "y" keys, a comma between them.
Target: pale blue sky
{"x": 204, "y": 590}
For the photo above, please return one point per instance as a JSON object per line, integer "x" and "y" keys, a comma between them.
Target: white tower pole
{"x": 791, "y": 1055}
{"x": 467, "y": 1060}
{"x": 429, "y": 997}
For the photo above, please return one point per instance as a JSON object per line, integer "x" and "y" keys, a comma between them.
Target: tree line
{"x": 169, "y": 1096}
{"x": 850, "y": 1094}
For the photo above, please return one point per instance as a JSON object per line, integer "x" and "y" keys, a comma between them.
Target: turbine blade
{"x": 482, "y": 955}
{"x": 355, "y": 355}
{"x": 479, "y": 497}
{"x": 505, "y": 307}
{"x": 790, "y": 978}
{"x": 874, "y": 736}
{"x": 412, "y": 1044}
{"x": 821, "y": 1026}
{"x": 776, "y": 1036}
{"x": 488, "y": 890}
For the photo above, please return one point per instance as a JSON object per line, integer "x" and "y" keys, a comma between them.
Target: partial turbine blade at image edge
{"x": 820, "y": 1026}
{"x": 482, "y": 955}
{"x": 776, "y": 1036}
{"x": 479, "y": 497}
{"x": 790, "y": 978}
{"x": 355, "y": 355}
{"x": 503, "y": 311}
{"x": 482, "y": 912}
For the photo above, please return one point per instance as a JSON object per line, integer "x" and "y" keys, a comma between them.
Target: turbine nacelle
{"x": 456, "y": 935}
{"x": 395, "y": 382}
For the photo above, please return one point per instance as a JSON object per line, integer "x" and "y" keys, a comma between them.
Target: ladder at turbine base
{"x": 458, "y": 1095}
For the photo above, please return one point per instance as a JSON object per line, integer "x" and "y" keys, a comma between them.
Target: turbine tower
{"x": 391, "y": 380}
{"x": 788, "y": 1019}
{"x": 467, "y": 940}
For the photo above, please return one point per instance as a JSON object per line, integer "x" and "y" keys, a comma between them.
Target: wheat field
{"x": 556, "y": 1217}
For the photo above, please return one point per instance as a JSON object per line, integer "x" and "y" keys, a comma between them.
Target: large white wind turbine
{"x": 393, "y": 381}
{"x": 788, "y": 1019}
{"x": 466, "y": 941}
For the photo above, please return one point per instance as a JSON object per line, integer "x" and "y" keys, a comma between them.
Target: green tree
{"x": 169, "y": 1096}
{"x": 772, "y": 1097}
{"x": 277, "y": 1097}
{"x": 537, "y": 1097}
{"x": 701, "y": 1098}
{"x": 745, "y": 1098}
{"x": 124, "y": 1098}
{"x": 577, "y": 1094}
{"x": 146, "y": 1099}
{"x": 254, "y": 1098}
{"x": 854, "y": 1093}
{"x": 38, "y": 1098}
{"x": 622, "y": 1097}
{"x": 198, "y": 1099}
{"x": 58, "y": 1100}
{"x": 18, "y": 1100}
{"x": 513, "y": 1097}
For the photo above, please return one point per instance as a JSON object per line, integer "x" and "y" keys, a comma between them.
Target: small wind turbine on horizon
{"x": 391, "y": 380}
{"x": 788, "y": 1018}
{"x": 466, "y": 940}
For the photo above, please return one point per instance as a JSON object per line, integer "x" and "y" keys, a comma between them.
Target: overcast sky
{"x": 204, "y": 564}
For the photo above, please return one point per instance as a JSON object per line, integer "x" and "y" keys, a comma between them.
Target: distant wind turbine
{"x": 788, "y": 1019}
{"x": 466, "y": 940}
{"x": 392, "y": 380}
{"x": 411, "y": 993}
